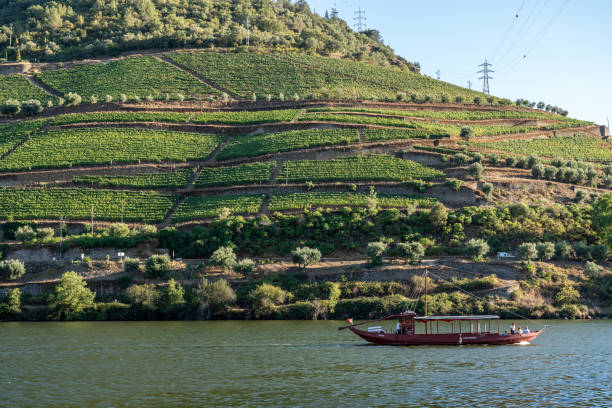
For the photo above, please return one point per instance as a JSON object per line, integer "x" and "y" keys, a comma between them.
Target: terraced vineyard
{"x": 394, "y": 134}
{"x": 257, "y": 145}
{"x": 194, "y": 208}
{"x": 246, "y": 117}
{"x": 358, "y": 168}
{"x": 93, "y": 146}
{"x": 578, "y": 147}
{"x": 253, "y": 173}
{"x": 361, "y": 119}
{"x": 136, "y": 76}
{"x": 93, "y": 117}
{"x": 176, "y": 179}
{"x": 76, "y": 204}
{"x": 11, "y": 134}
{"x": 19, "y": 88}
{"x": 283, "y": 202}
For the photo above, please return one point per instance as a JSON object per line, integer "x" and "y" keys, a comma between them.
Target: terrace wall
{"x": 15, "y": 68}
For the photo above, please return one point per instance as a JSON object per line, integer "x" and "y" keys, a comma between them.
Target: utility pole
{"x": 485, "y": 71}
{"x": 122, "y": 205}
{"x": 360, "y": 24}
{"x": 92, "y": 227}
{"x": 61, "y": 237}
{"x": 470, "y": 84}
{"x": 438, "y": 74}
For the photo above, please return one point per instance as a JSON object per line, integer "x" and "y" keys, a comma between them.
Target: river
{"x": 292, "y": 363}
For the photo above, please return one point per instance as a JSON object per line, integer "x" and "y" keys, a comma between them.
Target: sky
{"x": 556, "y": 51}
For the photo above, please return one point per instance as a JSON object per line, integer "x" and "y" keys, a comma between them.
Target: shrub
{"x": 10, "y": 107}
{"x": 93, "y": 100}
{"x": 224, "y": 213}
{"x": 245, "y": 267}
{"x": 413, "y": 251}
{"x": 466, "y": 133}
{"x": 455, "y": 184}
{"x": 131, "y": 265}
{"x": 546, "y": 250}
{"x": 108, "y": 99}
{"x": 25, "y": 233}
{"x": 180, "y": 97}
{"x": 580, "y": 196}
{"x": 12, "y": 305}
{"x": 476, "y": 170}
{"x": 592, "y": 270}
{"x": 45, "y": 233}
{"x": 460, "y": 158}
{"x": 375, "y": 252}
{"x": 477, "y": 157}
{"x": 148, "y": 229}
{"x": 532, "y": 161}
{"x": 12, "y": 269}
{"x": 70, "y": 297}
{"x": 528, "y": 250}
{"x": 566, "y": 294}
{"x": 550, "y": 172}
{"x": 157, "y": 265}
{"x": 265, "y": 298}
{"x": 123, "y": 98}
{"x": 444, "y": 98}
{"x": 31, "y": 107}
{"x": 171, "y": 296}
{"x": 487, "y": 189}
{"x": 477, "y": 100}
{"x": 538, "y": 171}
{"x": 458, "y": 99}
{"x": 119, "y": 230}
{"x": 145, "y": 295}
{"x": 477, "y": 248}
{"x": 305, "y": 256}
{"x": 214, "y": 298}
{"x": 510, "y": 161}
{"x": 224, "y": 257}
{"x": 353, "y": 187}
{"x": 309, "y": 185}
{"x": 73, "y": 99}
{"x": 493, "y": 160}
{"x": 438, "y": 215}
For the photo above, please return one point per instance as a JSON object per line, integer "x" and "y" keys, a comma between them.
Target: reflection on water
{"x": 159, "y": 364}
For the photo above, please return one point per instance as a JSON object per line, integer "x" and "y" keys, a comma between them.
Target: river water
{"x": 292, "y": 363}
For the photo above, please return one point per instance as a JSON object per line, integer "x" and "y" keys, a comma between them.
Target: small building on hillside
{"x": 501, "y": 255}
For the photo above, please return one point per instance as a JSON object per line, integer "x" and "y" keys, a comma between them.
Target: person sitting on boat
{"x": 520, "y": 330}
{"x": 512, "y": 328}
{"x": 398, "y": 328}
{"x": 526, "y": 330}
{"x": 505, "y": 333}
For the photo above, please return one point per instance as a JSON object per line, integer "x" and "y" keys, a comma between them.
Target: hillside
{"x": 77, "y": 29}
{"x": 378, "y": 169}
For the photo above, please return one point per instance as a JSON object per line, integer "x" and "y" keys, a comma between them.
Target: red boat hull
{"x": 392, "y": 339}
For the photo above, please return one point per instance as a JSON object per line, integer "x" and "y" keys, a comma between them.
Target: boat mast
{"x": 425, "y": 293}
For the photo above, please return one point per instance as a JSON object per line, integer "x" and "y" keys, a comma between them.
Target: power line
{"x": 360, "y": 24}
{"x": 485, "y": 71}
{"x": 515, "y": 19}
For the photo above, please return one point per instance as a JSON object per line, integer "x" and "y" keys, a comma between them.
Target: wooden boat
{"x": 463, "y": 330}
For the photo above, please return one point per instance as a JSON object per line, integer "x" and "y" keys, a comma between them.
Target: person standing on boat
{"x": 398, "y": 328}
{"x": 512, "y": 328}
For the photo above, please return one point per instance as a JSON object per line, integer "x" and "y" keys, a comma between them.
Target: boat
{"x": 463, "y": 330}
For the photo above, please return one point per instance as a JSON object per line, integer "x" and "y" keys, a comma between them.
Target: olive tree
{"x": 224, "y": 257}
{"x": 12, "y": 269}
{"x": 157, "y": 265}
{"x": 413, "y": 251}
{"x": 528, "y": 250}
{"x": 70, "y": 297}
{"x": 375, "y": 252}
{"x": 214, "y": 298}
{"x": 305, "y": 256}
{"x": 477, "y": 248}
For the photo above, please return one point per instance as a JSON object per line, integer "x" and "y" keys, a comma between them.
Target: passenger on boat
{"x": 512, "y": 328}
{"x": 505, "y": 333}
{"x": 520, "y": 330}
{"x": 398, "y": 328}
{"x": 526, "y": 330}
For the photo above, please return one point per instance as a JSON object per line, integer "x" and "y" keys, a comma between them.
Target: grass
{"x": 577, "y": 147}
{"x": 76, "y": 204}
{"x": 194, "y": 208}
{"x": 19, "y": 88}
{"x": 136, "y": 76}
{"x": 253, "y": 173}
{"x": 246, "y": 117}
{"x": 257, "y": 145}
{"x": 372, "y": 167}
{"x": 176, "y": 179}
{"x": 294, "y": 201}
{"x": 94, "y": 146}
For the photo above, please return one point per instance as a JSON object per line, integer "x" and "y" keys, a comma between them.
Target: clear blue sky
{"x": 568, "y": 59}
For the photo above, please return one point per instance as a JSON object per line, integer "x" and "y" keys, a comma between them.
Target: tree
{"x": 12, "y": 269}
{"x": 145, "y": 295}
{"x": 602, "y": 217}
{"x": 305, "y": 256}
{"x": 73, "y": 99}
{"x": 546, "y": 250}
{"x": 476, "y": 170}
{"x": 528, "y": 250}
{"x": 119, "y": 230}
{"x": 214, "y": 298}
{"x": 131, "y": 266}
{"x": 157, "y": 265}
{"x": 592, "y": 270}
{"x": 438, "y": 215}
{"x": 375, "y": 252}
{"x": 563, "y": 250}
{"x": 466, "y": 133}
{"x": 566, "y": 294}
{"x": 13, "y": 301}
{"x": 25, "y": 233}
{"x": 45, "y": 233}
{"x": 244, "y": 267}
{"x": 487, "y": 189}
{"x": 477, "y": 100}
{"x": 31, "y": 107}
{"x": 224, "y": 257}
{"x": 265, "y": 298}
{"x": 477, "y": 248}
{"x": 172, "y": 296}
{"x": 538, "y": 171}
{"x": 70, "y": 297}
{"x": 10, "y": 107}
{"x": 414, "y": 251}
